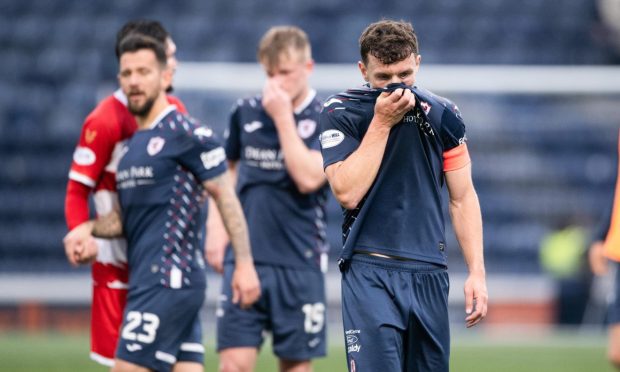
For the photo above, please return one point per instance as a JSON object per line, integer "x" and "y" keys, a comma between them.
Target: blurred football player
{"x": 273, "y": 146}
{"x": 93, "y": 173}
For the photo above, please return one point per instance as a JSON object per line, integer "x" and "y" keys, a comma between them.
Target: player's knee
{"x": 231, "y": 364}
{"x": 295, "y": 366}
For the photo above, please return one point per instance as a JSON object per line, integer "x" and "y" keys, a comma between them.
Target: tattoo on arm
{"x": 108, "y": 226}
{"x": 223, "y": 193}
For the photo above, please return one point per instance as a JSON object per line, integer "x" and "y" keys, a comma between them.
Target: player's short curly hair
{"x": 389, "y": 41}
{"x": 135, "y": 42}
{"x": 283, "y": 39}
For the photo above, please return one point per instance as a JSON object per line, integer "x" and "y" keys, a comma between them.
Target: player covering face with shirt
{"x": 388, "y": 149}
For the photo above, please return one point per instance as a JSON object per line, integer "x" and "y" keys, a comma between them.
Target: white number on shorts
{"x": 315, "y": 317}
{"x": 150, "y": 323}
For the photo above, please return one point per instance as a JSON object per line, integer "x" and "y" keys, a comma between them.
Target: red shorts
{"x": 109, "y": 299}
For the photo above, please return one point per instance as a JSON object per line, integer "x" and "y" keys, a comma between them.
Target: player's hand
{"x": 245, "y": 284}
{"x": 276, "y": 102}
{"x": 80, "y": 246}
{"x": 596, "y": 256}
{"x": 476, "y": 299}
{"x": 392, "y": 106}
{"x": 89, "y": 251}
{"x": 215, "y": 249}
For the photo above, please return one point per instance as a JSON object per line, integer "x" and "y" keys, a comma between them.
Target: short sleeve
{"x": 452, "y": 127}
{"x": 202, "y": 153}
{"x": 94, "y": 150}
{"x": 233, "y": 139}
{"x": 453, "y": 137}
{"x": 339, "y": 135}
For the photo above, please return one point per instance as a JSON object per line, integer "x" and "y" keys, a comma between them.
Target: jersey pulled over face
{"x": 159, "y": 182}
{"x": 286, "y": 227}
{"x": 380, "y": 75}
{"x": 401, "y": 215}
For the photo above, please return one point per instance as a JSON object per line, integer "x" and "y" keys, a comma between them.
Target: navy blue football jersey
{"x": 286, "y": 227}
{"x": 401, "y": 214}
{"x": 159, "y": 181}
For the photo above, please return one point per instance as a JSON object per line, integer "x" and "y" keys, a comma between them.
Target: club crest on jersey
{"x": 155, "y": 145}
{"x": 306, "y": 128}
{"x": 90, "y": 135}
{"x": 426, "y": 107}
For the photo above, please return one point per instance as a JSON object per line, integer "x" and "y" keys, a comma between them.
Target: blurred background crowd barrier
{"x": 537, "y": 82}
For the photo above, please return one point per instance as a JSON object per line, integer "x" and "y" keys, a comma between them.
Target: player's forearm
{"x": 305, "y": 166}
{"x": 76, "y": 204}
{"x": 351, "y": 179}
{"x": 108, "y": 226}
{"x": 232, "y": 216}
{"x": 467, "y": 223}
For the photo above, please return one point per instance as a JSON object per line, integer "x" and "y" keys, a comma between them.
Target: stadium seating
{"x": 56, "y": 56}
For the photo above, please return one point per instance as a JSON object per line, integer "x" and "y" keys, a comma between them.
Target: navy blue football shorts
{"x": 291, "y": 306}
{"x": 395, "y": 315}
{"x": 161, "y": 326}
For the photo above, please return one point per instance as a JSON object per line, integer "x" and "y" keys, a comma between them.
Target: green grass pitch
{"x": 50, "y": 352}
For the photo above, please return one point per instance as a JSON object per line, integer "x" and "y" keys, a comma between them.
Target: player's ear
{"x": 166, "y": 77}
{"x": 418, "y": 60}
{"x": 363, "y": 69}
{"x": 310, "y": 65}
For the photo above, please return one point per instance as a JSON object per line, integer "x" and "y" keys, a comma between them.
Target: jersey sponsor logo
{"x": 213, "y": 158}
{"x": 354, "y": 348}
{"x": 331, "y": 138}
{"x": 135, "y": 176}
{"x": 269, "y": 159}
{"x": 203, "y": 132}
{"x": 253, "y": 126}
{"x": 84, "y": 156}
{"x": 155, "y": 145}
{"x": 331, "y": 101}
{"x": 353, "y": 345}
{"x": 90, "y": 135}
{"x": 417, "y": 118}
{"x": 306, "y": 128}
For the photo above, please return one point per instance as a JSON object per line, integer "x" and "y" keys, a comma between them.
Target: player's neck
{"x": 159, "y": 105}
{"x": 297, "y": 101}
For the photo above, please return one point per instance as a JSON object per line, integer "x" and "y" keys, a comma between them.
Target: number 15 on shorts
{"x": 315, "y": 317}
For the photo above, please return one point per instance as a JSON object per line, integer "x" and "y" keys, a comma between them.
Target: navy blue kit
{"x": 288, "y": 237}
{"x": 395, "y": 310}
{"x": 159, "y": 181}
